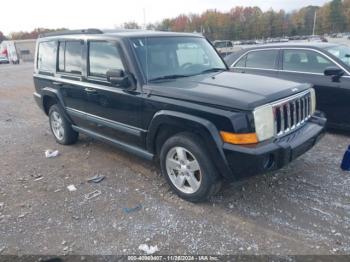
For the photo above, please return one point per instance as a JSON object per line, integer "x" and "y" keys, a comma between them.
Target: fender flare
{"x": 51, "y": 92}
{"x": 173, "y": 118}
{"x": 54, "y": 93}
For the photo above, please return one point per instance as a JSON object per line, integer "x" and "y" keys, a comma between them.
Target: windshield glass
{"x": 170, "y": 57}
{"x": 342, "y": 52}
{"x": 221, "y": 44}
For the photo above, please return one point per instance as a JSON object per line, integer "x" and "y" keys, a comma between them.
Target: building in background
{"x": 19, "y": 50}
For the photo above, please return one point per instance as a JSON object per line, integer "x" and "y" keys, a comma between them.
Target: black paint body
{"x": 134, "y": 117}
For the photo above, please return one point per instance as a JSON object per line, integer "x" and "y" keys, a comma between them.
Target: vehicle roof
{"x": 144, "y": 33}
{"x": 122, "y": 33}
{"x": 321, "y": 45}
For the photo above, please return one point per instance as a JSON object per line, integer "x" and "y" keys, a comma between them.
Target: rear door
{"x": 308, "y": 66}
{"x": 258, "y": 62}
{"x": 70, "y": 75}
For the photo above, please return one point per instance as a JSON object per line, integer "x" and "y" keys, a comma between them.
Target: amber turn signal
{"x": 239, "y": 139}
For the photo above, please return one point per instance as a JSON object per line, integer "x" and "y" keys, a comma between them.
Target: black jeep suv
{"x": 170, "y": 97}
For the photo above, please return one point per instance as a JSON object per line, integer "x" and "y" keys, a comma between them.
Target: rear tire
{"x": 60, "y": 126}
{"x": 188, "y": 168}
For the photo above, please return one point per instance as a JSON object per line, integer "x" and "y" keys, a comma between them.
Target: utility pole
{"x": 144, "y": 19}
{"x": 313, "y": 30}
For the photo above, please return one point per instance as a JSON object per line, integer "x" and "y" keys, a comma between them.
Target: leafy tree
{"x": 252, "y": 23}
{"x": 33, "y": 34}
{"x": 131, "y": 25}
{"x": 246, "y": 22}
{"x": 336, "y": 16}
{"x": 2, "y": 37}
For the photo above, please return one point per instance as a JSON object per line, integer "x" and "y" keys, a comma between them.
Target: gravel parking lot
{"x": 301, "y": 209}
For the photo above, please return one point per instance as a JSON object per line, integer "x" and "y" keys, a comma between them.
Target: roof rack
{"x": 72, "y": 32}
{"x": 122, "y": 30}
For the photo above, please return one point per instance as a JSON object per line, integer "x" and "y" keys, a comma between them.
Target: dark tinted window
{"x": 61, "y": 48}
{"x": 262, "y": 59}
{"x": 47, "y": 56}
{"x": 103, "y": 56}
{"x": 69, "y": 57}
{"x": 305, "y": 61}
{"x": 167, "y": 56}
{"x": 73, "y": 57}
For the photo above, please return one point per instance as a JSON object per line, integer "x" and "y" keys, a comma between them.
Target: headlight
{"x": 264, "y": 122}
{"x": 313, "y": 100}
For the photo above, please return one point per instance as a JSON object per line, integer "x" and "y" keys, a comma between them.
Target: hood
{"x": 228, "y": 89}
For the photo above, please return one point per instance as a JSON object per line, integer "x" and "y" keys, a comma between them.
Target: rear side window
{"x": 69, "y": 57}
{"x": 61, "y": 49}
{"x": 262, "y": 59}
{"x": 103, "y": 56}
{"x": 47, "y": 56}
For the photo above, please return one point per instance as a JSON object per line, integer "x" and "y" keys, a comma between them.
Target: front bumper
{"x": 245, "y": 161}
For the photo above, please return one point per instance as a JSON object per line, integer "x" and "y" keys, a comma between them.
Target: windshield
{"x": 342, "y": 52}
{"x": 221, "y": 44}
{"x": 170, "y": 57}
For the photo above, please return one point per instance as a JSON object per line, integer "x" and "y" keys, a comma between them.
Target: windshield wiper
{"x": 167, "y": 77}
{"x": 214, "y": 69}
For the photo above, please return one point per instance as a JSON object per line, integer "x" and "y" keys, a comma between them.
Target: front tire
{"x": 187, "y": 167}
{"x": 60, "y": 127}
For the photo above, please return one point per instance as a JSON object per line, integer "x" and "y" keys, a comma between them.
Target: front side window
{"x": 103, "y": 56}
{"x": 175, "y": 56}
{"x": 69, "y": 57}
{"x": 262, "y": 59}
{"x": 47, "y": 56}
{"x": 305, "y": 61}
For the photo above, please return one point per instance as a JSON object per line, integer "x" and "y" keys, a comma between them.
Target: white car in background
{"x": 224, "y": 46}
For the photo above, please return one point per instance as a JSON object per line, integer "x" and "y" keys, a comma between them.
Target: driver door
{"x": 112, "y": 111}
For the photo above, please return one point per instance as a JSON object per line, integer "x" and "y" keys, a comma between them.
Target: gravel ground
{"x": 301, "y": 209}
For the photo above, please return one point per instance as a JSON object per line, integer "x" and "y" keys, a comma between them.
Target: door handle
{"x": 57, "y": 83}
{"x": 90, "y": 90}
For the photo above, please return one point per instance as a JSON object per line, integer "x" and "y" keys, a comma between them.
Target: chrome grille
{"x": 291, "y": 113}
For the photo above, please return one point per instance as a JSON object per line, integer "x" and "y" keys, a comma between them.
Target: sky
{"x": 108, "y": 14}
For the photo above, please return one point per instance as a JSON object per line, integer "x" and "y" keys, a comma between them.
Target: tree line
{"x": 22, "y": 35}
{"x": 242, "y": 23}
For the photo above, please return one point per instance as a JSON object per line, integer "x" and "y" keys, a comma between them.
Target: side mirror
{"x": 333, "y": 71}
{"x": 117, "y": 77}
